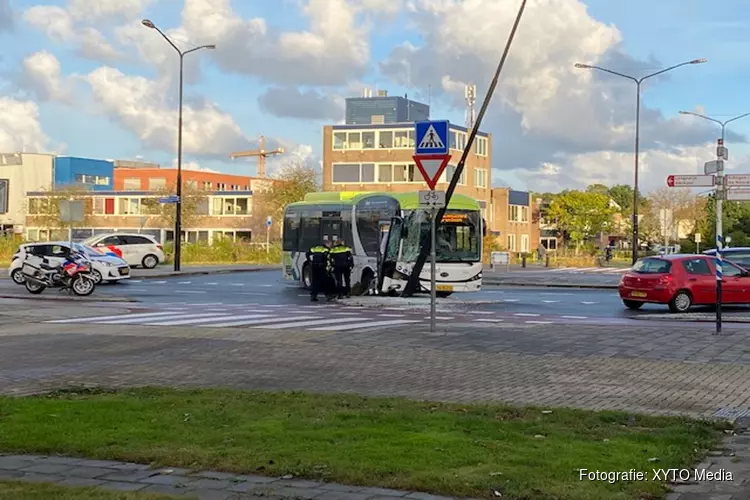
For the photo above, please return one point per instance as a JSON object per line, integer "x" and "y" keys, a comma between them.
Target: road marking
{"x": 588, "y": 303}
{"x": 385, "y": 315}
{"x": 257, "y": 321}
{"x": 530, "y": 315}
{"x": 116, "y": 316}
{"x": 369, "y": 324}
{"x": 259, "y": 293}
{"x": 189, "y": 291}
{"x": 539, "y": 322}
{"x": 158, "y": 282}
{"x": 212, "y": 284}
{"x": 511, "y": 300}
{"x": 136, "y": 281}
{"x": 576, "y": 317}
{"x": 184, "y": 282}
{"x": 196, "y": 321}
{"x": 329, "y": 321}
{"x": 490, "y": 320}
{"x": 174, "y": 316}
{"x": 265, "y": 286}
{"x": 550, "y": 301}
{"x": 439, "y": 317}
{"x": 238, "y": 284}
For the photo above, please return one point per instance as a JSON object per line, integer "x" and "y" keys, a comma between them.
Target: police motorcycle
{"x": 73, "y": 274}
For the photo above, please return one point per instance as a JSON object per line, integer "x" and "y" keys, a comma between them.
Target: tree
{"x": 671, "y": 211}
{"x": 598, "y": 188}
{"x": 290, "y": 184}
{"x": 581, "y": 214}
{"x": 46, "y": 210}
{"x": 194, "y": 206}
{"x": 622, "y": 195}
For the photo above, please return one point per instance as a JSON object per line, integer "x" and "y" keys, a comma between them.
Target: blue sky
{"x": 538, "y": 130}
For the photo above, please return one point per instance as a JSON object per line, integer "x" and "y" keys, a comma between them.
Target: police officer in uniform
{"x": 343, "y": 262}
{"x": 319, "y": 258}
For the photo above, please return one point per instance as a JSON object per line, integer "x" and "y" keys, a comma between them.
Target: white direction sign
{"x": 737, "y": 180}
{"x": 711, "y": 167}
{"x": 722, "y": 152}
{"x": 690, "y": 180}
{"x": 432, "y": 199}
{"x": 738, "y": 195}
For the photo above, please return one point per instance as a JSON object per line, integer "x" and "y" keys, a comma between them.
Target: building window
{"x": 368, "y": 140}
{"x": 404, "y": 173}
{"x": 98, "y": 207}
{"x": 99, "y": 180}
{"x": 385, "y": 139}
{"x": 450, "y": 170}
{"x": 191, "y": 184}
{"x": 549, "y": 243}
{"x": 512, "y": 242}
{"x": 404, "y": 139}
{"x": 524, "y": 214}
{"x": 482, "y": 146}
{"x": 339, "y": 140}
{"x": 480, "y": 178}
{"x": 157, "y": 183}
{"x": 345, "y": 172}
{"x": 208, "y": 185}
{"x": 460, "y": 141}
{"x": 518, "y": 213}
{"x": 354, "y": 140}
{"x": 385, "y": 172}
{"x": 4, "y": 185}
{"x": 524, "y": 242}
{"x": 109, "y": 206}
{"x": 131, "y": 184}
{"x": 221, "y": 186}
{"x": 130, "y": 206}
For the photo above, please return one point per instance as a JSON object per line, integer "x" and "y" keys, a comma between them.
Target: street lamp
{"x": 178, "y": 209}
{"x": 638, "y": 82}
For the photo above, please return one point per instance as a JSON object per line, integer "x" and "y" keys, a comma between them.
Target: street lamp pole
{"x": 178, "y": 208}
{"x": 638, "y": 82}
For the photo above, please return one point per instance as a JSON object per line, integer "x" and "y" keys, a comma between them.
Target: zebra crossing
{"x": 268, "y": 316}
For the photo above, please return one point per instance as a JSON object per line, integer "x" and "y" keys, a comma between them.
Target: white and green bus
{"x": 384, "y": 231}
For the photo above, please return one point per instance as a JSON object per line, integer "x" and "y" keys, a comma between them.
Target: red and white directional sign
{"x": 738, "y": 194}
{"x": 432, "y": 167}
{"x": 737, "y": 180}
{"x": 690, "y": 180}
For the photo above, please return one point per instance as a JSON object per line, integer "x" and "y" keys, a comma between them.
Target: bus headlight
{"x": 477, "y": 277}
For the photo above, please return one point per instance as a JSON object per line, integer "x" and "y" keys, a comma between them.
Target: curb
{"x": 550, "y": 285}
{"x": 68, "y": 299}
{"x": 724, "y": 319}
{"x": 172, "y": 274}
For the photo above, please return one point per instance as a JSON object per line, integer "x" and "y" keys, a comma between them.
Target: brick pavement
{"x": 648, "y": 369}
{"x": 201, "y": 484}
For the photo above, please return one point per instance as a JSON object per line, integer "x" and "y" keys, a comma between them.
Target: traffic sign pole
{"x": 720, "y": 195}
{"x": 433, "y": 261}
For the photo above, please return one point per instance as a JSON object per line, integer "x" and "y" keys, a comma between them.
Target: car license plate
{"x": 444, "y": 288}
{"x": 124, "y": 271}
{"x": 638, "y": 294}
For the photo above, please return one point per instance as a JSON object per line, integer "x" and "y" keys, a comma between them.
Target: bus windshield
{"x": 458, "y": 235}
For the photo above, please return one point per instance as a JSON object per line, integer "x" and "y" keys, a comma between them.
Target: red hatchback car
{"x": 682, "y": 281}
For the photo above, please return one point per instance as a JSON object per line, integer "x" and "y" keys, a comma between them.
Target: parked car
{"x": 136, "y": 249}
{"x": 681, "y": 281}
{"x": 104, "y": 267}
{"x": 738, "y": 255}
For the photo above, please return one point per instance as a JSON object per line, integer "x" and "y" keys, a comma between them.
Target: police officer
{"x": 343, "y": 262}
{"x": 319, "y": 258}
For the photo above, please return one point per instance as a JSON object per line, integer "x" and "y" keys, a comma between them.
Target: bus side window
{"x": 311, "y": 234}
{"x": 291, "y": 232}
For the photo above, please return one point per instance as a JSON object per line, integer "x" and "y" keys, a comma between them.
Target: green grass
{"x": 16, "y": 490}
{"x": 449, "y": 449}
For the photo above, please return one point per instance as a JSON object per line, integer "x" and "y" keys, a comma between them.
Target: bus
{"x": 384, "y": 231}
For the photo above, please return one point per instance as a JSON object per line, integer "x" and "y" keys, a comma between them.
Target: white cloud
{"x": 62, "y": 26}
{"x": 291, "y": 102}
{"x": 42, "y": 75}
{"x": 192, "y": 165}
{"x": 20, "y": 128}
{"x": 93, "y": 11}
{"x": 6, "y": 16}
{"x": 141, "y": 106}
{"x": 332, "y": 51}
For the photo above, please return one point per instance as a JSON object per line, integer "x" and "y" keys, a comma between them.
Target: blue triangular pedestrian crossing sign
{"x": 431, "y": 137}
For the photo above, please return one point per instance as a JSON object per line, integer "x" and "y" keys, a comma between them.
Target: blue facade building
{"x": 93, "y": 174}
{"x": 384, "y": 109}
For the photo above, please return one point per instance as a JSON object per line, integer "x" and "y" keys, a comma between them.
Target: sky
{"x": 86, "y": 78}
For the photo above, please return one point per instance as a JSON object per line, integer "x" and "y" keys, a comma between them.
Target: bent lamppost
{"x": 638, "y": 82}
{"x": 178, "y": 208}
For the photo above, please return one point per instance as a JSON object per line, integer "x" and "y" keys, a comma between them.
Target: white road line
{"x": 212, "y": 284}
{"x": 481, "y": 312}
{"x": 510, "y": 300}
{"x": 264, "y": 286}
{"x": 208, "y": 304}
{"x": 183, "y": 282}
{"x": 174, "y": 316}
{"x": 538, "y": 322}
{"x": 257, "y": 321}
{"x": 329, "y": 321}
{"x": 158, "y": 282}
{"x": 136, "y": 281}
{"x": 575, "y": 317}
{"x": 189, "y": 291}
{"x": 588, "y": 303}
{"x": 115, "y": 316}
{"x": 439, "y": 317}
{"x": 196, "y": 321}
{"x": 550, "y": 301}
{"x": 238, "y": 284}
{"x": 371, "y": 324}
{"x": 258, "y": 293}
{"x": 387, "y": 315}
{"x": 530, "y": 315}
{"x": 489, "y": 320}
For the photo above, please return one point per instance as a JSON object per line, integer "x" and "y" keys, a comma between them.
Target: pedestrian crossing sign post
{"x": 431, "y": 138}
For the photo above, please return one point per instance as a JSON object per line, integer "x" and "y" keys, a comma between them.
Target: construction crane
{"x": 261, "y": 153}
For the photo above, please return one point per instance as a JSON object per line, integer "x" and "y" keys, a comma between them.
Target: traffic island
{"x": 457, "y": 450}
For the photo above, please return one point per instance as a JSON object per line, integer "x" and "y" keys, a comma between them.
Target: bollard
{"x": 523, "y": 260}
{"x": 546, "y": 263}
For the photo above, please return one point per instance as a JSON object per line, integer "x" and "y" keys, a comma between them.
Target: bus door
{"x": 331, "y": 230}
{"x": 389, "y": 249}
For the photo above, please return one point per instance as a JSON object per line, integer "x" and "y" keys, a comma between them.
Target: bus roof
{"x": 408, "y": 201}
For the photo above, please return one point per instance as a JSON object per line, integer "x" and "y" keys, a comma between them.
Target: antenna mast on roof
{"x": 471, "y": 99}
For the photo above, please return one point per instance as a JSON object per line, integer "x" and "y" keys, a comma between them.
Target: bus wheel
{"x": 306, "y": 277}
{"x": 443, "y": 295}
{"x": 366, "y": 282}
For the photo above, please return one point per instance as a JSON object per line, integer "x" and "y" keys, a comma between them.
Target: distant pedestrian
{"x": 343, "y": 262}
